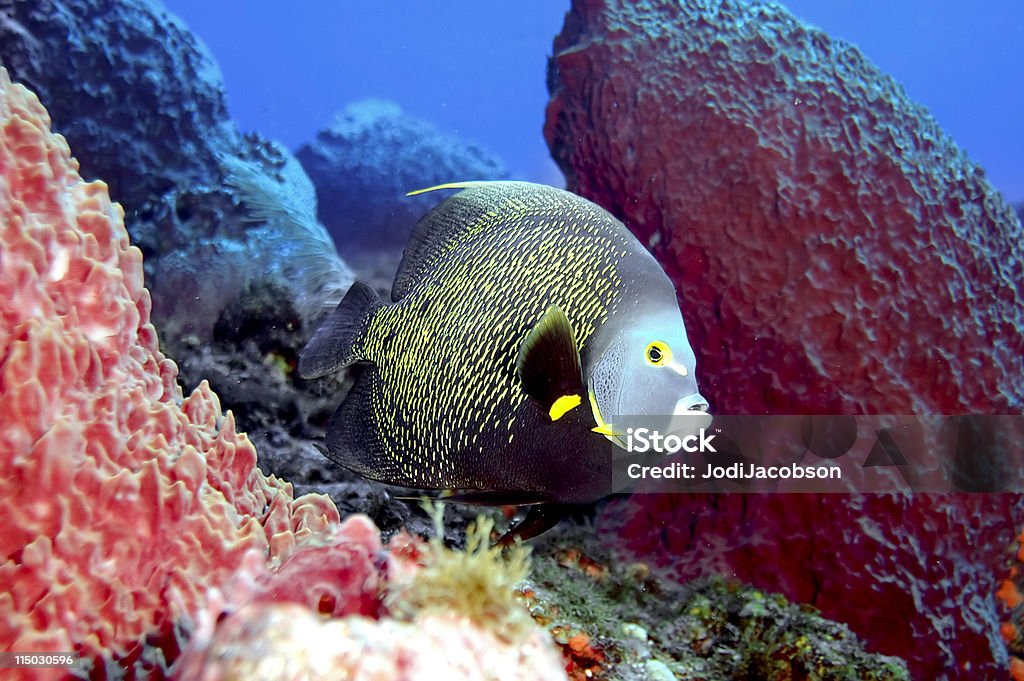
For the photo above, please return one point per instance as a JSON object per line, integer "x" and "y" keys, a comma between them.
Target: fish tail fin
{"x": 355, "y": 438}
{"x": 339, "y": 341}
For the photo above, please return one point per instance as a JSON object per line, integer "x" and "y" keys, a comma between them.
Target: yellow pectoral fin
{"x": 605, "y": 430}
{"x": 563, "y": 404}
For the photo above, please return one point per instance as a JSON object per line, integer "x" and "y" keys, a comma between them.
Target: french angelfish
{"x": 523, "y": 321}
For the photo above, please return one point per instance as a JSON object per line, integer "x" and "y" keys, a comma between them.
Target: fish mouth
{"x": 694, "y": 402}
{"x": 690, "y": 415}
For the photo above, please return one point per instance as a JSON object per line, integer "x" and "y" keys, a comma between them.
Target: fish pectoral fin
{"x": 562, "y": 405}
{"x": 548, "y": 364}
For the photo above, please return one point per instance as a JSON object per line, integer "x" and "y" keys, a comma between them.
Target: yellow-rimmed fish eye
{"x": 658, "y": 354}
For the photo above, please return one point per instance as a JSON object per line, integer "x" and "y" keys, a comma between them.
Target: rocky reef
{"x": 141, "y": 534}
{"x": 215, "y": 213}
{"x": 239, "y": 268}
{"x": 364, "y": 164}
{"x": 626, "y": 619}
{"x": 834, "y": 252}
{"x": 914, "y": 575}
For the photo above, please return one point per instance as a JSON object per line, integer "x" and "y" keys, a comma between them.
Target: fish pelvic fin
{"x": 538, "y": 519}
{"x": 339, "y": 340}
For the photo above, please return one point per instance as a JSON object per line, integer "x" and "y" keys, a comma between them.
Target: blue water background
{"x": 477, "y": 68}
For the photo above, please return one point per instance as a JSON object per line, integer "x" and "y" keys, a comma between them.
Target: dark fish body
{"x": 505, "y": 296}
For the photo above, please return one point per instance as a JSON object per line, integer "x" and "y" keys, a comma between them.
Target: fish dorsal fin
{"x": 548, "y": 365}
{"x": 473, "y": 209}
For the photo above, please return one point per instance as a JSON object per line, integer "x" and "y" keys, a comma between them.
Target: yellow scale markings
{"x": 478, "y": 390}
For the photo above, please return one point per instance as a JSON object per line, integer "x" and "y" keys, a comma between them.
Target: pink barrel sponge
{"x": 123, "y": 501}
{"x": 834, "y": 250}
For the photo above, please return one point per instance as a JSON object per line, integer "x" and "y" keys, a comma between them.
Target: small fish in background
{"x": 524, "y": 322}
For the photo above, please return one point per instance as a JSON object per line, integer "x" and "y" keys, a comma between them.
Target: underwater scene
{"x": 556, "y": 339}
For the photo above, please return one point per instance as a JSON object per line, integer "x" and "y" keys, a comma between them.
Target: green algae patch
{"x": 621, "y": 620}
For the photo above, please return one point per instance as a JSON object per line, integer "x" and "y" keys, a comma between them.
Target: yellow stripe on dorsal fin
{"x": 449, "y": 185}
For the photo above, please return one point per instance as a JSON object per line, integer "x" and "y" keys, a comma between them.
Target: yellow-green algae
{"x": 477, "y": 582}
{"x": 644, "y": 623}
{"x": 710, "y": 629}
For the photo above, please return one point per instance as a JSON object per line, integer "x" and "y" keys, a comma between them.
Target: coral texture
{"x": 623, "y": 619}
{"x": 138, "y": 97}
{"x": 124, "y": 500}
{"x": 1010, "y": 597}
{"x": 834, "y": 251}
{"x": 370, "y": 157}
{"x": 461, "y": 622}
{"x": 142, "y": 102}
